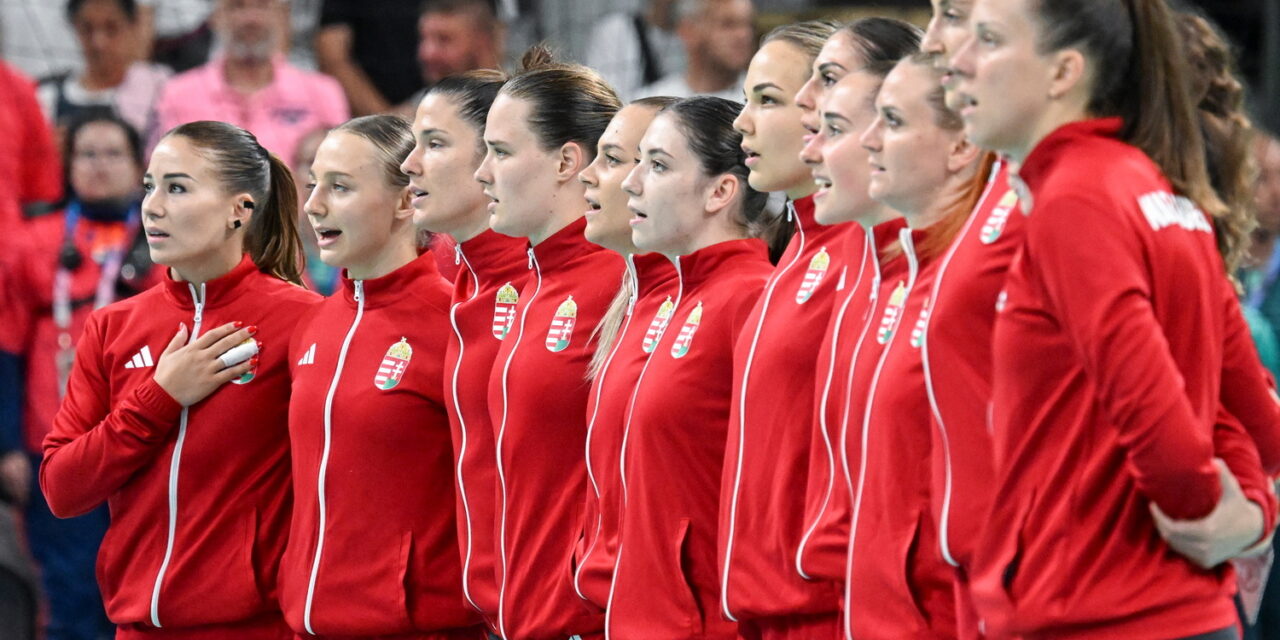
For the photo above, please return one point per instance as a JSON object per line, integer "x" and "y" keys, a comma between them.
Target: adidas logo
{"x": 140, "y": 360}
{"x": 309, "y": 357}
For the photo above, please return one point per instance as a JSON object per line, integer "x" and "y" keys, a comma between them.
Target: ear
{"x": 572, "y": 160}
{"x": 721, "y": 193}
{"x": 1069, "y": 70}
{"x": 242, "y": 210}
{"x": 404, "y": 207}
{"x": 961, "y": 154}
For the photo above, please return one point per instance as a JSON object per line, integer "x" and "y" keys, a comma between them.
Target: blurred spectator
{"x": 84, "y": 256}
{"x": 456, "y": 36}
{"x": 251, "y": 85}
{"x": 1262, "y": 278}
{"x": 30, "y": 168}
{"x": 178, "y": 31}
{"x": 719, "y": 39}
{"x": 113, "y": 76}
{"x": 318, "y": 277}
{"x": 632, "y": 50}
{"x": 304, "y": 22}
{"x": 370, "y": 51}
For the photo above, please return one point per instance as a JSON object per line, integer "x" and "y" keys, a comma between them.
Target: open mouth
{"x": 156, "y": 233}
{"x": 326, "y": 235}
{"x": 822, "y": 182}
{"x": 592, "y": 204}
{"x": 416, "y": 192}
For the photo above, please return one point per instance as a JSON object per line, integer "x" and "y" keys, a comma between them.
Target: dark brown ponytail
{"x": 244, "y": 166}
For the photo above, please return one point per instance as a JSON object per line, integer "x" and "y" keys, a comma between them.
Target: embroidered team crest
{"x": 917, "y": 334}
{"x": 891, "y": 314}
{"x": 684, "y": 341}
{"x": 562, "y": 326}
{"x": 658, "y": 326}
{"x": 994, "y": 225}
{"x": 813, "y": 277}
{"x": 393, "y": 366}
{"x": 248, "y": 376}
{"x": 504, "y": 310}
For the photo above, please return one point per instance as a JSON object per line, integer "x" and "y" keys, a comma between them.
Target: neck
{"x": 1054, "y": 118}
{"x": 100, "y": 77}
{"x": 247, "y": 75}
{"x": 565, "y": 208}
{"x": 388, "y": 261}
{"x": 714, "y": 233}
{"x": 943, "y": 203}
{"x": 198, "y": 274}
{"x": 476, "y": 223}
{"x": 877, "y": 216}
{"x": 802, "y": 190}
{"x": 704, "y": 76}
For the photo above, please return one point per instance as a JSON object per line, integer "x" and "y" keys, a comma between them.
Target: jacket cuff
{"x": 155, "y": 407}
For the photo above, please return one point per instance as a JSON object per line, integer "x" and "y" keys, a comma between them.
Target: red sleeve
{"x": 40, "y": 161}
{"x": 1232, "y": 443}
{"x": 1248, "y": 391}
{"x": 1092, "y": 268}
{"x": 17, "y": 313}
{"x": 93, "y": 449}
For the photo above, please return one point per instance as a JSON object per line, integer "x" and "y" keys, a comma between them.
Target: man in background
{"x": 719, "y": 39}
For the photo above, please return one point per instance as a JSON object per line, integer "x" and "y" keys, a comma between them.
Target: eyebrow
{"x": 170, "y": 176}
{"x": 764, "y": 85}
{"x": 610, "y": 146}
{"x": 659, "y": 150}
{"x": 831, "y": 115}
{"x": 827, "y": 65}
{"x": 430, "y": 132}
{"x": 336, "y": 174}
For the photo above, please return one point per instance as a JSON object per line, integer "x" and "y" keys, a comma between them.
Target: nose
{"x": 743, "y": 124}
{"x": 811, "y": 154}
{"x": 484, "y": 173}
{"x": 932, "y": 42}
{"x": 588, "y": 176}
{"x": 632, "y": 184}
{"x": 412, "y": 165}
{"x": 871, "y": 137}
{"x": 962, "y": 59}
{"x": 151, "y": 205}
{"x": 314, "y": 206}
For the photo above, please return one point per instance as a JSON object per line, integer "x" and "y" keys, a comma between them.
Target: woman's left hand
{"x": 1234, "y": 526}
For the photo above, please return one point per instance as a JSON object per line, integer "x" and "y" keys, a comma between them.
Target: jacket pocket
{"x": 684, "y": 590}
{"x": 908, "y": 561}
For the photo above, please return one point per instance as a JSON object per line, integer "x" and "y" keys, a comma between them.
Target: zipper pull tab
{"x": 457, "y": 254}
{"x": 791, "y": 211}
{"x": 530, "y": 258}
{"x": 359, "y": 293}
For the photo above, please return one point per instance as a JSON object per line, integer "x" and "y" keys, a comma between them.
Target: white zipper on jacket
{"x": 944, "y": 519}
{"x": 197, "y": 299}
{"x": 904, "y": 237}
{"x": 869, "y": 254}
{"x": 626, "y": 436}
{"x": 742, "y": 411}
{"x": 629, "y": 275}
{"x": 502, "y": 431}
{"x": 324, "y": 457}
{"x": 459, "y": 258}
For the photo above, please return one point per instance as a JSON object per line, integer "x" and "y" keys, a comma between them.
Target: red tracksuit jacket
{"x": 608, "y": 414}
{"x": 771, "y": 428}
{"x": 372, "y": 546}
{"x": 491, "y": 271}
{"x": 1107, "y": 359}
{"x": 27, "y": 316}
{"x": 665, "y": 585}
{"x": 537, "y": 403}
{"x": 848, "y": 339}
{"x": 897, "y": 584}
{"x": 200, "y": 496}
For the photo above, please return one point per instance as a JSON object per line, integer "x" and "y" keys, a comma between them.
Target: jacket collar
{"x": 217, "y": 292}
{"x": 805, "y": 212}
{"x": 394, "y": 286}
{"x": 562, "y": 246}
{"x": 703, "y": 264}
{"x": 491, "y": 253}
{"x": 1040, "y": 161}
{"x": 651, "y": 270}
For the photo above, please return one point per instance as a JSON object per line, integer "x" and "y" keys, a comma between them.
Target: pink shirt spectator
{"x": 294, "y": 104}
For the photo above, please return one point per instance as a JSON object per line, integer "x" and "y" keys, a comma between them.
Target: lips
{"x": 326, "y": 236}
{"x": 593, "y": 206}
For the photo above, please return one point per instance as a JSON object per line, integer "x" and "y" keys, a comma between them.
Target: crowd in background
{"x": 73, "y": 143}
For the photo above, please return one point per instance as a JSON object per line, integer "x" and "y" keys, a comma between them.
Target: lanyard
{"x": 103, "y": 296}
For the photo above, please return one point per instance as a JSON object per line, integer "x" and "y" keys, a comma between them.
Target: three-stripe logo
{"x": 309, "y": 357}
{"x": 141, "y": 359}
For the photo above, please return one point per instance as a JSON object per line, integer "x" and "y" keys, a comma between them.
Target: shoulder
{"x": 284, "y": 295}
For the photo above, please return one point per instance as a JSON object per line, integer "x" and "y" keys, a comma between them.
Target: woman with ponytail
{"x": 691, "y": 202}
{"x": 540, "y": 134}
{"x": 627, "y": 336}
{"x": 449, "y": 146}
{"x": 367, "y": 412}
{"x": 196, "y": 471}
{"x": 849, "y": 72}
{"x": 770, "y": 433}
{"x": 1108, "y": 346}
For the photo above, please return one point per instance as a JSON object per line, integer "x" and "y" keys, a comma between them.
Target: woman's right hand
{"x": 190, "y": 372}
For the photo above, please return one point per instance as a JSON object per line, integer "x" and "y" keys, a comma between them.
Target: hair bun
{"x": 538, "y": 57}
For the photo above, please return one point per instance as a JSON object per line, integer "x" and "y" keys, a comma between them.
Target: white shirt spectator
{"x": 615, "y": 51}
{"x": 676, "y": 86}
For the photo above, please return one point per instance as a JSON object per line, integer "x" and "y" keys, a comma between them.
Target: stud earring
{"x": 236, "y": 224}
